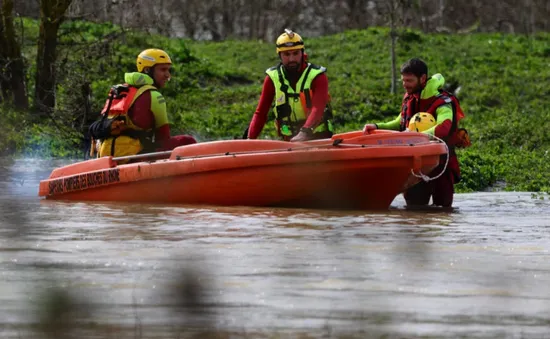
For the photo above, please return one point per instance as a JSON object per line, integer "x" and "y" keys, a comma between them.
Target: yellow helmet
{"x": 289, "y": 41}
{"x": 421, "y": 121}
{"x": 151, "y": 57}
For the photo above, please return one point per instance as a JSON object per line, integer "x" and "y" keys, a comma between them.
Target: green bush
{"x": 12, "y": 130}
{"x": 503, "y": 82}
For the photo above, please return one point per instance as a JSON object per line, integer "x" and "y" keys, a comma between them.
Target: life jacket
{"x": 116, "y": 127}
{"x": 412, "y": 104}
{"x": 292, "y": 107}
{"x": 121, "y": 98}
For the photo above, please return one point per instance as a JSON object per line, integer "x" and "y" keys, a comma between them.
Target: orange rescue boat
{"x": 350, "y": 170}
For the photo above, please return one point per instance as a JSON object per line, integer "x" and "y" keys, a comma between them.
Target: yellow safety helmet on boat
{"x": 151, "y": 57}
{"x": 289, "y": 41}
{"x": 421, "y": 121}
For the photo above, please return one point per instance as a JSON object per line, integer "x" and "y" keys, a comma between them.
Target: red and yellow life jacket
{"x": 125, "y": 138}
{"x": 412, "y": 104}
{"x": 123, "y": 97}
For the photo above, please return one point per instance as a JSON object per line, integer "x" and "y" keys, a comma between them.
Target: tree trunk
{"x": 13, "y": 78}
{"x": 211, "y": 17}
{"x": 441, "y": 15}
{"x": 393, "y": 88}
{"x": 85, "y": 104}
{"x": 189, "y": 18}
{"x": 51, "y": 16}
{"x": 228, "y": 17}
{"x": 393, "y": 37}
{"x": 4, "y": 85}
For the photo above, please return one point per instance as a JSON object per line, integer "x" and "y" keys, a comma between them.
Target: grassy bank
{"x": 504, "y": 83}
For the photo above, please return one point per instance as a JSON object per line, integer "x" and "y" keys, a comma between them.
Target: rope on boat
{"x": 425, "y": 177}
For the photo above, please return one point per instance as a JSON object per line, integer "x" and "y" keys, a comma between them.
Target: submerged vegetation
{"x": 503, "y": 83}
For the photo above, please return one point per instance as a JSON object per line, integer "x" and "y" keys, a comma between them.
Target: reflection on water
{"x": 133, "y": 270}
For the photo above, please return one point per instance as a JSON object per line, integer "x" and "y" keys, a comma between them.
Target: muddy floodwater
{"x": 97, "y": 270}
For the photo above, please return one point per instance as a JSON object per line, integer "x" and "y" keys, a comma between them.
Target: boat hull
{"x": 358, "y": 173}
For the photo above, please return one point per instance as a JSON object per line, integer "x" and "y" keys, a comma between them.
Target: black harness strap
{"x": 306, "y": 93}
{"x": 113, "y": 146}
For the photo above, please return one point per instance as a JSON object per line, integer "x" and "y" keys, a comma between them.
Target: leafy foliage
{"x": 503, "y": 83}
{"x": 11, "y": 123}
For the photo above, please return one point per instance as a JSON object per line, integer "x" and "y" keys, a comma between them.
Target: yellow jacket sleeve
{"x": 392, "y": 125}
{"x": 444, "y": 112}
{"x": 158, "y": 107}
